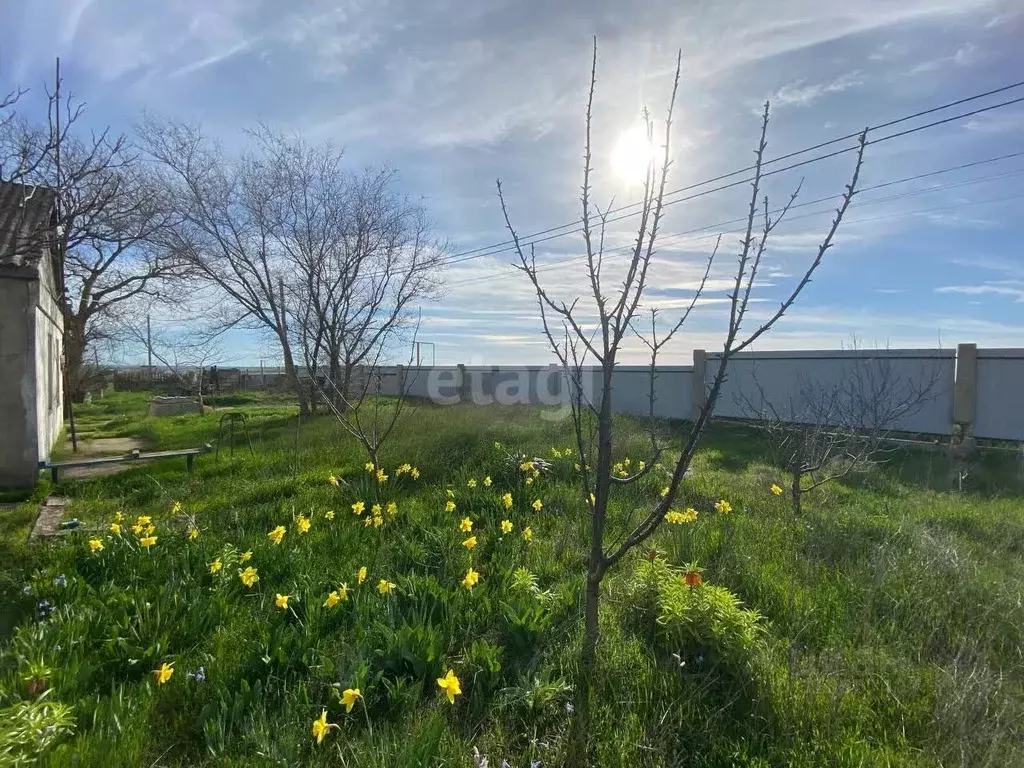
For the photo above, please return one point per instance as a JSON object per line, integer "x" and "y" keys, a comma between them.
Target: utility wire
{"x": 575, "y": 226}
{"x": 664, "y": 241}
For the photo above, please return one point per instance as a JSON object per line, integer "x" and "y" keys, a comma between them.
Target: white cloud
{"x": 802, "y": 94}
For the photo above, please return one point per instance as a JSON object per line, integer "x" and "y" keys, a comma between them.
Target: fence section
{"x": 999, "y": 394}
{"x": 851, "y": 388}
{"x": 979, "y": 391}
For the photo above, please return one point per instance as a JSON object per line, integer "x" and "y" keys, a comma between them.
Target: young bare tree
{"x": 826, "y": 431}
{"x": 615, "y": 300}
{"x": 109, "y": 214}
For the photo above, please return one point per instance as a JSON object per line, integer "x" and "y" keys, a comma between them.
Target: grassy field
{"x": 882, "y": 627}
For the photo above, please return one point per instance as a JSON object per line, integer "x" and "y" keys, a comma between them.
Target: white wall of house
{"x": 49, "y": 335}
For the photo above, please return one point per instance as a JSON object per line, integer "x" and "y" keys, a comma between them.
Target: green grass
{"x": 882, "y": 627}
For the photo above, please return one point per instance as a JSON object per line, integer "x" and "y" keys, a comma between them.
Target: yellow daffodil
{"x": 349, "y": 697}
{"x": 302, "y": 523}
{"x": 507, "y": 500}
{"x": 321, "y": 727}
{"x": 466, "y": 525}
{"x": 332, "y": 599}
{"x": 776, "y": 489}
{"x": 529, "y": 481}
{"x": 216, "y": 565}
{"x": 175, "y": 507}
{"x": 470, "y": 579}
{"x": 249, "y": 576}
{"x": 449, "y": 506}
{"x": 119, "y": 517}
{"x": 556, "y": 453}
{"x": 723, "y": 507}
{"x": 375, "y": 509}
{"x": 370, "y": 466}
{"x": 488, "y": 482}
{"x": 675, "y": 517}
{"x": 386, "y": 587}
{"x": 277, "y": 535}
{"x": 526, "y": 466}
{"x": 415, "y": 473}
{"x": 361, "y": 575}
{"x": 95, "y": 545}
{"x": 378, "y": 521}
{"x": 593, "y": 500}
{"x": 332, "y": 480}
{"x": 537, "y": 505}
{"x": 329, "y": 514}
{"x": 664, "y": 492}
{"x": 144, "y": 520}
{"x": 471, "y": 483}
{"x": 246, "y": 556}
{"x": 147, "y": 541}
{"x": 163, "y": 673}
{"x": 506, "y": 526}
{"x": 381, "y": 477}
{"x": 450, "y": 492}
{"x": 450, "y": 685}
{"x": 115, "y": 528}
{"x": 368, "y": 521}
{"x": 342, "y": 591}
{"x": 358, "y": 507}
{"x": 405, "y": 468}
{"x": 392, "y": 509}
{"x": 527, "y": 533}
{"x": 193, "y": 534}
{"x": 138, "y": 529}
{"x": 281, "y": 601}
{"x": 150, "y": 530}
{"x": 641, "y": 466}
{"x": 470, "y": 542}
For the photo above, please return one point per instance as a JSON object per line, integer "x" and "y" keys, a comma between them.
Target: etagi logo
{"x": 545, "y": 386}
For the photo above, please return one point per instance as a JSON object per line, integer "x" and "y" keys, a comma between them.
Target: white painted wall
{"x": 999, "y": 407}
{"x": 49, "y": 334}
{"x": 784, "y": 376}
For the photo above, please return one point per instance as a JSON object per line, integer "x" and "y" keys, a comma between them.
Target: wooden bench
{"x": 188, "y": 453}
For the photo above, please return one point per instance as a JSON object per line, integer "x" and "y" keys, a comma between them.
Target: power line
{"x": 532, "y": 240}
{"x": 882, "y": 185}
{"x": 796, "y": 153}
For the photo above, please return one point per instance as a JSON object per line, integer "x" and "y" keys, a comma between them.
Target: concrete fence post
{"x": 699, "y": 392}
{"x": 463, "y": 384}
{"x": 965, "y": 388}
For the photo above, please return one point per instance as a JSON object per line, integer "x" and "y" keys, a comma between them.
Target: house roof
{"x": 25, "y": 216}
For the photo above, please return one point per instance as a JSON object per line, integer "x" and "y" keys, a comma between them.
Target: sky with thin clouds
{"x": 457, "y": 94}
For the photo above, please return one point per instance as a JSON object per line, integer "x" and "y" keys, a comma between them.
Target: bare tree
{"x": 227, "y": 228}
{"x": 825, "y": 431}
{"x": 615, "y": 302}
{"x": 109, "y": 215}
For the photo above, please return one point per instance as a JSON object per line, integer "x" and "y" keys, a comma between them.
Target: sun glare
{"x": 632, "y": 154}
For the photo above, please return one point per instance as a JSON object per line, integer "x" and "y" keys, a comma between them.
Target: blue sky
{"x": 455, "y": 94}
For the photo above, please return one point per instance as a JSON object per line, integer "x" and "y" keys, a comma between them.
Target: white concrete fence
{"x": 980, "y": 391}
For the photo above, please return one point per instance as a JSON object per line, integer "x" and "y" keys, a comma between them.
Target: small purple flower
{"x": 569, "y": 708}
{"x": 27, "y": 589}
{"x": 60, "y": 581}
{"x": 45, "y": 608}
{"x": 504, "y": 764}
{"x": 199, "y": 675}
{"x": 536, "y": 764}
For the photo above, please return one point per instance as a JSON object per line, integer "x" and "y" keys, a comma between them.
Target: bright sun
{"x": 632, "y": 154}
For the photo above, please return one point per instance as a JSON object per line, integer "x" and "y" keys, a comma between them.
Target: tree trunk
{"x": 74, "y": 339}
{"x": 796, "y": 492}
{"x": 293, "y": 376}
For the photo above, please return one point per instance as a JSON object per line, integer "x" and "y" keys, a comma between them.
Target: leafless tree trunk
{"x": 574, "y": 343}
{"x": 109, "y": 215}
